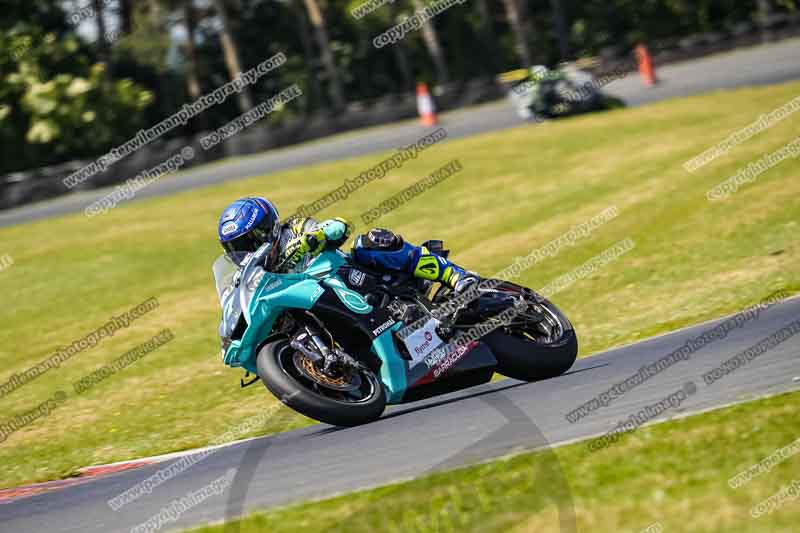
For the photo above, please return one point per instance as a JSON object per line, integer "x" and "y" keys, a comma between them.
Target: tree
{"x": 230, "y": 51}
{"x": 149, "y": 41}
{"x": 56, "y": 104}
{"x": 400, "y": 54}
{"x": 431, "y": 39}
{"x": 326, "y": 54}
{"x": 100, "y": 22}
{"x": 192, "y": 59}
{"x": 516, "y": 19}
{"x": 560, "y": 23}
{"x": 126, "y": 16}
{"x": 487, "y": 36}
{"x": 314, "y": 90}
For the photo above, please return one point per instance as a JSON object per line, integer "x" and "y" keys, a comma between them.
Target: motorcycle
{"x": 546, "y": 94}
{"x": 338, "y": 342}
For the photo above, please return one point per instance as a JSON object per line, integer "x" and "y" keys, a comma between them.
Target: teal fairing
{"x": 252, "y": 299}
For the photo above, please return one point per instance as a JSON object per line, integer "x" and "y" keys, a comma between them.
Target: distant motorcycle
{"x": 337, "y": 342}
{"x": 547, "y": 94}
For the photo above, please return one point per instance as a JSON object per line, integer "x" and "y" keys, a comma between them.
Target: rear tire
{"x": 527, "y": 360}
{"x": 305, "y": 401}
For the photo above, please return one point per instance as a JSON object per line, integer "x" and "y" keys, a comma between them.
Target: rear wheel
{"x": 345, "y": 399}
{"x": 537, "y": 350}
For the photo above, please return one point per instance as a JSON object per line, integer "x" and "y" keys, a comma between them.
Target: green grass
{"x": 519, "y": 189}
{"x": 675, "y": 474}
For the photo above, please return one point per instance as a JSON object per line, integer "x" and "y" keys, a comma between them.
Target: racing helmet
{"x": 246, "y": 225}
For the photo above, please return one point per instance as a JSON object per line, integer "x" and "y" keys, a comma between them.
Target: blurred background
{"x": 78, "y": 78}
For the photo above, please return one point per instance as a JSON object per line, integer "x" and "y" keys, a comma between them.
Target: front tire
{"x": 281, "y": 377}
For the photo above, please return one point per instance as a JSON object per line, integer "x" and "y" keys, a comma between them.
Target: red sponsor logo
{"x": 446, "y": 363}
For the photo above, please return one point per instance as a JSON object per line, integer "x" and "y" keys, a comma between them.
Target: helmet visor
{"x": 251, "y": 241}
{"x": 243, "y": 244}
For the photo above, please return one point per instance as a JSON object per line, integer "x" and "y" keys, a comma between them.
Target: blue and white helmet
{"x": 247, "y": 224}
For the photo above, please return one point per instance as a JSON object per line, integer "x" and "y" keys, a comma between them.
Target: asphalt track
{"x": 759, "y": 65}
{"x": 410, "y": 440}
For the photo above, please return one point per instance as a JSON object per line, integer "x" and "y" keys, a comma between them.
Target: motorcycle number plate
{"x": 423, "y": 341}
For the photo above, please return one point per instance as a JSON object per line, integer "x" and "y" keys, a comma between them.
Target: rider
{"x": 248, "y": 223}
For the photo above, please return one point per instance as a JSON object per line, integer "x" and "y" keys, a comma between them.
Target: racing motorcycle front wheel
{"x": 348, "y": 397}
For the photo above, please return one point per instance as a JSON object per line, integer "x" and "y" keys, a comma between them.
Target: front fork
{"x": 308, "y": 341}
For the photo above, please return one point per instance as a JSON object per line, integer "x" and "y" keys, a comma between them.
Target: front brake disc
{"x": 346, "y": 381}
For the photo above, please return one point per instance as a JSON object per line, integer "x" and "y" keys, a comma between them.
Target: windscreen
{"x": 224, "y": 269}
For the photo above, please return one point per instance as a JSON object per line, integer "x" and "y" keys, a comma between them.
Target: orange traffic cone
{"x": 646, "y": 65}
{"x": 427, "y": 111}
